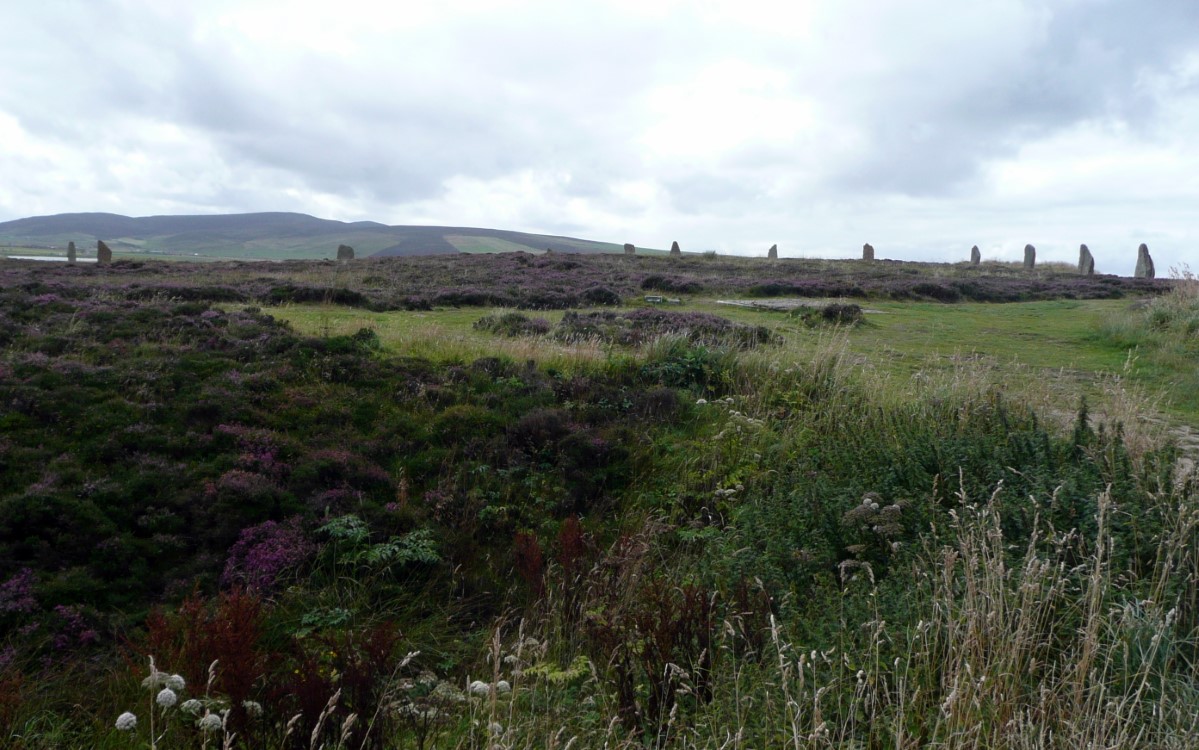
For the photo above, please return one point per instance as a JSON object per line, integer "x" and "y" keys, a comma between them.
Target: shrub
{"x": 513, "y": 325}
{"x": 600, "y": 295}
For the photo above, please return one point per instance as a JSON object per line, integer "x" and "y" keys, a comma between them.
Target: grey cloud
{"x": 1086, "y": 63}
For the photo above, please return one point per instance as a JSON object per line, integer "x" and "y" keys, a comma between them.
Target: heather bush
{"x": 681, "y": 544}
{"x": 513, "y": 324}
{"x": 643, "y": 325}
{"x": 835, "y": 314}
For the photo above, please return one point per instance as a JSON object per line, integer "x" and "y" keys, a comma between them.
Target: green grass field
{"x": 1050, "y": 353}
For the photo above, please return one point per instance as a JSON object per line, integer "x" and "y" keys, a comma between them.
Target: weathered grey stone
{"x": 71, "y": 252}
{"x": 345, "y": 252}
{"x": 103, "y": 253}
{"x": 1030, "y": 256}
{"x": 975, "y": 256}
{"x": 1086, "y": 261}
{"x": 675, "y": 249}
{"x": 630, "y": 248}
{"x": 1144, "y": 263}
{"x": 773, "y": 252}
{"x": 867, "y": 251}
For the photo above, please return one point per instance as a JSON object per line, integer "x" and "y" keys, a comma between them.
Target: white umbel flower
{"x": 166, "y": 698}
{"x": 502, "y": 687}
{"x": 126, "y": 722}
{"x": 253, "y": 708}
{"x": 176, "y": 682}
{"x": 478, "y": 687}
{"x": 191, "y": 706}
{"x": 210, "y": 723}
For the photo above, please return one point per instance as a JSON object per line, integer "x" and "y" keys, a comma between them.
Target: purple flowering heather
{"x": 16, "y": 594}
{"x": 74, "y": 631}
{"x": 263, "y": 552}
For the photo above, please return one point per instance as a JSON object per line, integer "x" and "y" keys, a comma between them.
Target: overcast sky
{"x": 920, "y": 126}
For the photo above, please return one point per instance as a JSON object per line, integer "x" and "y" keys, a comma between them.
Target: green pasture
{"x": 1049, "y": 352}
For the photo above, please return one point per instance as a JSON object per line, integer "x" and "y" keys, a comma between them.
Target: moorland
{"x": 502, "y": 500}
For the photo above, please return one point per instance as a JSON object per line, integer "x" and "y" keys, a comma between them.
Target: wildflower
{"x": 478, "y": 687}
{"x": 701, "y": 401}
{"x": 253, "y": 708}
{"x": 191, "y": 706}
{"x": 495, "y": 728}
{"x": 210, "y": 723}
{"x": 126, "y": 722}
{"x": 503, "y": 687}
{"x": 166, "y": 698}
{"x": 176, "y": 682}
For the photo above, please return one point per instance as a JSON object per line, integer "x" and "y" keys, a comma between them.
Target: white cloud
{"x": 922, "y": 127}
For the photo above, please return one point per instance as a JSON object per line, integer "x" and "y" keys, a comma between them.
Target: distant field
{"x": 467, "y": 244}
{"x": 1051, "y": 351}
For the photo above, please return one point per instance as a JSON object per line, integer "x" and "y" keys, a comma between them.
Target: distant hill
{"x": 272, "y": 236}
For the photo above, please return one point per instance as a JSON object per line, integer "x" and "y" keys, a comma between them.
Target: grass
{"x": 1051, "y": 351}
{"x": 854, "y": 537}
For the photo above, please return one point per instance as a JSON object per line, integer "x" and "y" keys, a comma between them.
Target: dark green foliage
{"x": 835, "y": 314}
{"x": 643, "y": 325}
{"x": 156, "y": 451}
{"x": 513, "y": 324}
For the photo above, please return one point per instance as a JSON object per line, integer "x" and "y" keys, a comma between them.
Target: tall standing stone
{"x": 1030, "y": 256}
{"x": 867, "y": 251}
{"x": 773, "y": 253}
{"x": 345, "y": 252}
{"x": 630, "y": 248}
{"x": 103, "y": 253}
{"x": 1144, "y": 263}
{"x": 675, "y": 249}
{"x": 1086, "y": 261}
{"x": 71, "y": 252}
{"x": 975, "y": 256}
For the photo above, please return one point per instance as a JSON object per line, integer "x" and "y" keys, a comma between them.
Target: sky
{"x": 920, "y": 126}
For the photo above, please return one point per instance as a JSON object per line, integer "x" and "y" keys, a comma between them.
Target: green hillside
{"x": 270, "y": 236}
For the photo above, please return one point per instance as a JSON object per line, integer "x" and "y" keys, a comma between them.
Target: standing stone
{"x": 345, "y": 252}
{"x": 103, "y": 253}
{"x": 773, "y": 252}
{"x": 1086, "y": 261}
{"x": 70, "y": 252}
{"x": 1030, "y": 256}
{"x": 975, "y": 256}
{"x": 1144, "y": 263}
{"x": 867, "y": 251}
{"x": 630, "y": 248}
{"x": 549, "y": 251}
{"x": 675, "y": 249}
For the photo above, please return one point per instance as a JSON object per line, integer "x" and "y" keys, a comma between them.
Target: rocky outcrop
{"x": 867, "y": 251}
{"x": 773, "y": 252}
{"x": 1030, "y": 256}
{"x": 345, "y": 252}
{"x": 103, "y": 253}
{"x": 1144, "y": 263}
{"x": 975, "y": 256}
{"x": 675, "y": 249}
{"x": 630, "y": 248}
{"x": 1086, "y": 261}
{"x": 71, "y": 255}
